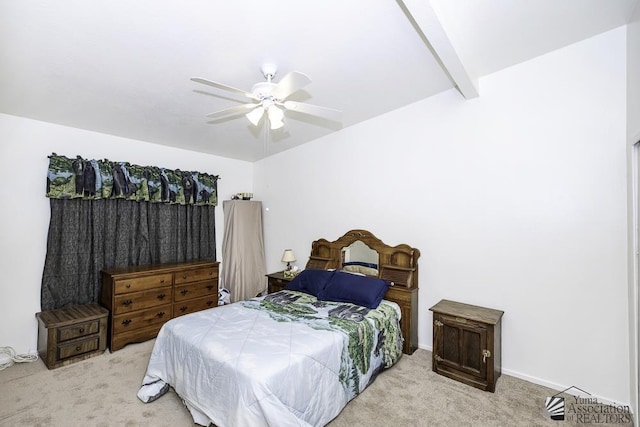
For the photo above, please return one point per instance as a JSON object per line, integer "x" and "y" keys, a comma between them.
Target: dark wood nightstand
{"x": 466, "y": 343}
{"x": 277, "y": 281}
{"x": 71, "y": 334}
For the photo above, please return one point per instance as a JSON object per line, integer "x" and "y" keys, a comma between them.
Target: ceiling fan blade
{"x": 314, "y": 110}
{"x": 240, "y": 109}
{"x": 224, "y": 87}
{"x": 290, "y": 83}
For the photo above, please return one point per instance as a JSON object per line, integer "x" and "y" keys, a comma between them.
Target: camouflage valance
{"x": 103, "y": 179}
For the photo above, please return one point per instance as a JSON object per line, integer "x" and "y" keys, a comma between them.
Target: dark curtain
{"x": 86, "y": 236}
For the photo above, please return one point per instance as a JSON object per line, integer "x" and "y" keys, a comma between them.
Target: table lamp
{"x": 288, "y": 257}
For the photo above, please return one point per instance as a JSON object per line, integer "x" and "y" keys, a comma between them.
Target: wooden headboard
{"x": 397, "y": 264}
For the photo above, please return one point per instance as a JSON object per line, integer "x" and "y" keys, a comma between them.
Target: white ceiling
{"x": 123, "y": 67}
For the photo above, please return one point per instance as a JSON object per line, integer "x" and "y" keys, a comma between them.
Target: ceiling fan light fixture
{"x": 276, "y": 115}
{"x": 275, "y": 124}
{"x": 255, "y": 115}
{"x": 271, "y": 98}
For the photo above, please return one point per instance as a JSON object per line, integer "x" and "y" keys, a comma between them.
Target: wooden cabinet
{"x": 142, "y": 298}
{"x": 467, "y": 343}
{"x": 277, "y": 281}
{"x": 71, "y": 334}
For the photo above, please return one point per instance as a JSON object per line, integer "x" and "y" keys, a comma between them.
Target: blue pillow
{"x": 310, "y": 281}
{"x": 359, "y": 290}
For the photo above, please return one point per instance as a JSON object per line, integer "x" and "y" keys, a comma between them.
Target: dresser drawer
{"x": 195, "y": 290}
{"x": 142, "y": 283}
{"x": 194, "y": 305}
{"x": 141, "y": 319}
{"x": 196, "y": 275}
{"x": 125, "y": 303}
{"x": 137, "y": 335}
{"x": 72, "y": 349}
{"x": 78, "y": 330}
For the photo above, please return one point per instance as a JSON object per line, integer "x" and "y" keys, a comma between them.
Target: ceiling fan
{"x": 271, "y": 98}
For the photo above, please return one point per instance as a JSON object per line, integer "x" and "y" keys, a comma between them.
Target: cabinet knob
{"x": 162, "y": 281}
{"x": 81, "y": 330}
{"x": 184, "y": 277}
{"x": 211, "y": 273}
{"x": 128, "y": 285}
{"x": 209, "y": 303}
{"x": 78, "y": 348}
{"x": 184, "y": 292}
{"x": 126, "y": 322}
{"x": 183, "y": 308}
{"x": 210, "y": 287}
{"x": 127, "y": 303}
{"x": 161, "y": 296}
{"x": 160, "y": 314}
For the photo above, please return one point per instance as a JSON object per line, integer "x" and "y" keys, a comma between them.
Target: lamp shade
{"x": 275, "y": 117}
{"x": 255, "y": 115}
{"x": 288, "y": 256}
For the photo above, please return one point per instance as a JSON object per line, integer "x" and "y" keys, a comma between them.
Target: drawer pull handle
{"x": 209, "y": 303}
{"x": 160, "y": 314}
{"x": 184, "y": 292}
{"x": 210, "y": 287}
{"x": 183, "y": 308}
{"x": 78, "y": 348}
{"x": 211, "y": 273}
{"x": 162, "y": 281}
{"x": 184, "y": 277}
{"x": 161, "y": 296}
{"x": 128, "y": 285}
{"x": 127, "y": 303}
{"x": 126, "y": 322}
{"x": 81, "y": 330}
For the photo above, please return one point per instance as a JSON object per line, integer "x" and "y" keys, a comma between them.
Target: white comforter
{"x": 282, "y": 361}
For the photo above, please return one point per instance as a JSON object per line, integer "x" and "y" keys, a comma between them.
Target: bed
{"x": 292, "y": 358}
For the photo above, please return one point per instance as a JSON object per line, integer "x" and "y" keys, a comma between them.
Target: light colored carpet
{"x": 101, "y": 391}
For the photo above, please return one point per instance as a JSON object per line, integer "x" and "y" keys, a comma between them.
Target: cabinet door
{"x": 460, "y": 344}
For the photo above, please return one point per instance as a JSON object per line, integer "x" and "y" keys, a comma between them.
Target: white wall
{"x": 516, "y": 199}
{"x": 25, "y": 213}
{"x": 633, "y": 137}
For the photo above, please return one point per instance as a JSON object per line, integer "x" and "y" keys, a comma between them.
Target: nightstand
{"x": 466, "y": 343}
{"x": 71, "y": 334}
{"x": 277, "y": 281}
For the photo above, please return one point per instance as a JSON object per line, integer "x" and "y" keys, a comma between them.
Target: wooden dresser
{"x": 71, "y": 334}
{"x": 467, "y": 343}
{"x": 141, "y": 299}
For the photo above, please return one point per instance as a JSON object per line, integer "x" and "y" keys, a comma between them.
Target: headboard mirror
{"x": 359, "y": 258}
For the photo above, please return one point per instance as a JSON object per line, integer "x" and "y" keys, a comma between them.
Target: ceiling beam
{"x": 426, "y": 22}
